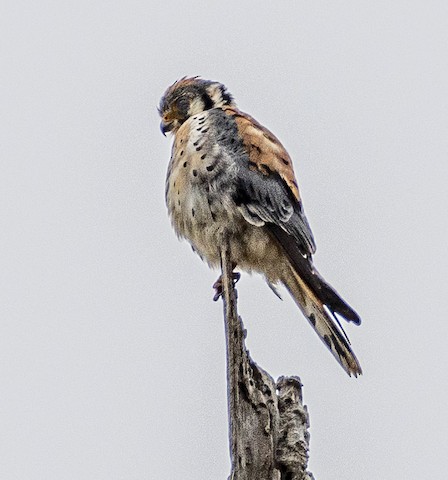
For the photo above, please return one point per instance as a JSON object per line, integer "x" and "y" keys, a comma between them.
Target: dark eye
{"x": 183, "y": 105}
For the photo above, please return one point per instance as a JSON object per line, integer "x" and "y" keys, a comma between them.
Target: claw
{"x": 218, "y": 285}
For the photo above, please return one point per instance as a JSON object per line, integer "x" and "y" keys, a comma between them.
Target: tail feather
{"x": 324, "y": 322}
{"x": 319, "y": 302}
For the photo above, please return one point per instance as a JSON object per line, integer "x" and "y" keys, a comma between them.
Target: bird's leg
{"x": 218, "y": 284}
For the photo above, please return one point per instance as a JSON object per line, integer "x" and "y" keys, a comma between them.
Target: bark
{"x": 268, "y": 423}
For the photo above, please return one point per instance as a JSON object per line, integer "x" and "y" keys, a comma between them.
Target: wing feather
{"x": 267, "y": 191}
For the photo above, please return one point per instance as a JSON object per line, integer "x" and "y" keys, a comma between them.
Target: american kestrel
{"x": 230, "y": 177}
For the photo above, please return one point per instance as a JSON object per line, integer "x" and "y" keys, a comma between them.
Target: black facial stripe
{"x": 227, "y": 98}
{"x": 208, "y": 102}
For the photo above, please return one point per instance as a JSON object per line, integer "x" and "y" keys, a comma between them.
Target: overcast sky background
{"x": 112, "y": 360}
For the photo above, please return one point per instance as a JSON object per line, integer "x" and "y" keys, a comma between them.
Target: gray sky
{"x": 112, "y": 361}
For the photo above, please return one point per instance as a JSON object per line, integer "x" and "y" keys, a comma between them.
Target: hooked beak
{"x": 166, "y": 127}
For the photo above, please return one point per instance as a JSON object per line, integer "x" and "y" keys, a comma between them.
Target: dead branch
{"x": 268, "y": 423}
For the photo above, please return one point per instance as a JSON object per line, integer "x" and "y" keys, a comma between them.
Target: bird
{"x": 230, "y": 179}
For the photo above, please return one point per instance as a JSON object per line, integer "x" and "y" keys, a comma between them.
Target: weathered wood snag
{"x": 268, "y": 423}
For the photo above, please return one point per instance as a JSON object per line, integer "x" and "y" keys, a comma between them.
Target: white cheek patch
{"x": 197, "y": 105}
{"x": 215, "y": 94}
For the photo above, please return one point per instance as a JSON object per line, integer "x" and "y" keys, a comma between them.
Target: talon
{"x": 218, "y": 285}
{"x": 218, "y": 289}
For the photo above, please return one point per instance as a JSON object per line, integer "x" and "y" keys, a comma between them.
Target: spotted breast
{"x": 201, "y": 178}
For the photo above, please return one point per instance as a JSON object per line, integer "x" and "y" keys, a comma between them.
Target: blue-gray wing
{"x": 264, "y": 199}
{"x": 266, "y": 190}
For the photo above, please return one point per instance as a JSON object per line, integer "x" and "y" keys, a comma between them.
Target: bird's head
{"x": 188, "y": 97}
